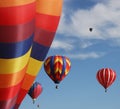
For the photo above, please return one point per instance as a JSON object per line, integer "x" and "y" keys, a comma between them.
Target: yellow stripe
{"x": 8, "y": 80}
{"x": 66, "y": 72}
{"x": 58, "y": 60}
{"x": 34, "y": 66}
{"x": 9, "y": 3}
{"x": 50, "y": 7}
{"x": 14, "y": 65}
{"x": 58, "y": 70}
{"x": 48, "y": 71}
{"x": 68, "y": 61}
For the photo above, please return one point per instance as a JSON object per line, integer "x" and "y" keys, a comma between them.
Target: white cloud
{"x": 61, "y": 44}
{"x": 85, "y": 44}
{"x": 102, "y": 17}
{"x": 84, "y": 56}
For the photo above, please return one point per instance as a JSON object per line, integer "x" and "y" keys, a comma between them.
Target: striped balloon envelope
{"x": 48, "y": 14}
{"x": 106, "y": 76}
{"x": 57, "y": 67}
{"x": 16, "y": 36}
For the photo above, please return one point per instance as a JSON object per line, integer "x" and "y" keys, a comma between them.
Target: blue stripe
{"x": 52, "y": 66}
{"x": 14, "y": 50}
{"x": 63, "y": 67}
{"x": 39, "y": 52}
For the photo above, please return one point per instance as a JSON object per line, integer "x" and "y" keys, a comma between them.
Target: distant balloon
{"x": 90, "y": 29}
{"x": 38, "y": 106}
{"x": 57, "y": 67}
{"x": 106, "y": 77}
{"x": 35, "y": 91}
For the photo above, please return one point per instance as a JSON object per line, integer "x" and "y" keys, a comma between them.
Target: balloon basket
{"x": 105, "y": 90}
{"x": 56, "y": 86}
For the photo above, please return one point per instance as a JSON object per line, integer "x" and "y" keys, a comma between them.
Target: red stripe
{"x": 21, "y": 95}
{"x": 112, "y": 77}
{"x": 8, "y": 93}
{"x": 17, "y": 15}
{"x": 8, "y": 104}
{"x": 44, "y": 37}
{"x": 100, "y": 80}
{"x": 16, "y": 33}
{"x": 47, "y": 22}
{"x": 106, "y": 77}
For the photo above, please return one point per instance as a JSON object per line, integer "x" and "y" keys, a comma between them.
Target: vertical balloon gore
{"x": 47, "y": 18}
{"x": 16, "y": 36}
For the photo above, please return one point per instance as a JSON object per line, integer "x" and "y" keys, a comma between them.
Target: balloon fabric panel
{"x": 21, "y": 32}
{"x": 44, "y": 15}
{"x": 16, "y": 37}
{"x": 11, "y": 3}
{"x": 17, "y": 14}
{"x": 14, "y": 50}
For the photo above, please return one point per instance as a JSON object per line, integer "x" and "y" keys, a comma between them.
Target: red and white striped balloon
{"x": 106, "y": 76}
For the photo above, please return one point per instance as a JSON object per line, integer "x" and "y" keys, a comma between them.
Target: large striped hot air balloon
{"x": 48, "y": 14}
{"x": 106, "y": 76}
{"x": 57, "y": 67}
{"x": 35, "y": 90}
{"x": 16, "y": 36}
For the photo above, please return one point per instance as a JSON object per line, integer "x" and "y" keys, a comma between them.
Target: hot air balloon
{"x": 16, "y": 36}
{"x": 57, "y": 67}
{"x": 35, "y": 91}
{"x": 38, "y": 106}
{"x": 106, "y": 76}
{"x": 48, "y": 14}
{"x": 90, "y": 29}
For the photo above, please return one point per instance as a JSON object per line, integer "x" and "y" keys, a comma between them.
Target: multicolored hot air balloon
{"x": 35, "y": 91}
{"x": 106, "y": 76}
{"x": 57, "y": 67}
{"x": 16, "y": 35}
{"x": 48, "y": 14}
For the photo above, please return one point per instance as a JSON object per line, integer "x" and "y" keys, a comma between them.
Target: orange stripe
{"x": 7, "y": 80}
{"x": 10, "y": 92}
{"x": 9, "y": 3}
{"x": 28, "y": 80}
{"x": 50, "y": 7}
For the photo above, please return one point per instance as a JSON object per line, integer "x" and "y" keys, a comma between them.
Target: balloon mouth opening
{"x": 57, "y": 82}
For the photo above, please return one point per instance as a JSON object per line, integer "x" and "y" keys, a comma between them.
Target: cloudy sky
{"x": 88, "y": 52}
{"x": 78, "y": 16}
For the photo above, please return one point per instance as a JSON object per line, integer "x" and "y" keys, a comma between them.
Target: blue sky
{"x": 88, "y": 52}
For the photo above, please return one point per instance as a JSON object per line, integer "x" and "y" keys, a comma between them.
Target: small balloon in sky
{"x": 57, "y": 67}
{"x": 106, "y": 77}
{"x": 90, "y": 29}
